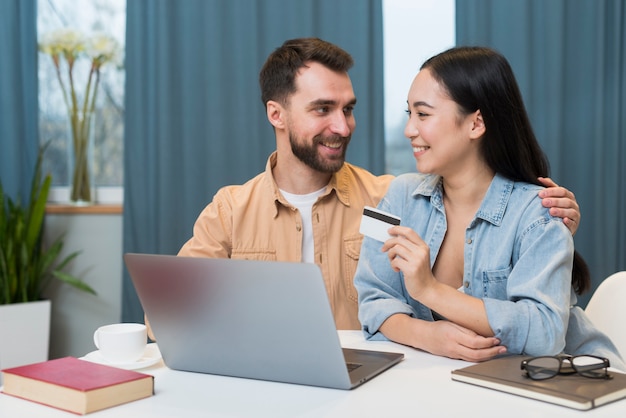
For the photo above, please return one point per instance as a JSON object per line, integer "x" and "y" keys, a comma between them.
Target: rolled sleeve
{"x": 380, "y": 289}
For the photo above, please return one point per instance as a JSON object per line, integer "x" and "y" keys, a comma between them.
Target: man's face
{"x": 320, "y": 119}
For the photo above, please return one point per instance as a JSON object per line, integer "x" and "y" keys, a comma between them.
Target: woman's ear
{"x": 275, "y": 114}
{"x": 478, "y": 125}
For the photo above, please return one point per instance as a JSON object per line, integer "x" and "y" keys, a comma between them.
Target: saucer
{"x": 151, "y": 356}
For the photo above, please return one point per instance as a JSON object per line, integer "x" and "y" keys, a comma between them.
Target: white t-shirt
{"x": 304, "y": 203}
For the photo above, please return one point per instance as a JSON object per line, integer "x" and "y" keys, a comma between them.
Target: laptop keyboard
{"x": 352, "y": 366}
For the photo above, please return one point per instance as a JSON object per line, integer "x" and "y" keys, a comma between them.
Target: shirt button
{"x": 469, "y": 241}
{"x": 298, "y": 228}
{"x": 466, "y": 284}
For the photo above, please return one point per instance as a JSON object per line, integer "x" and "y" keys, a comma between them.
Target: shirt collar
{"x": 496, "y": 200}
{"x": 493, "y": 205}
{"x": 339, "y": 183}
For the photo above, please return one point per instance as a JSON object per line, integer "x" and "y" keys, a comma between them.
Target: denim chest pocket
{"x": 494, "y": 283}
{"x": 352, "y": 248}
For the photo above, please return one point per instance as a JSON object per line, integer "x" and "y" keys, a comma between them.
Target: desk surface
{"x": 419, "y": 386}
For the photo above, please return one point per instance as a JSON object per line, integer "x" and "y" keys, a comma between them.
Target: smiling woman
{"x": 92, "y": 18}
{"x": 475, "y": 262}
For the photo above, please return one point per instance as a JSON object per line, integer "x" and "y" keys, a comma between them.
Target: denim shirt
{"x": 517, "y": 259}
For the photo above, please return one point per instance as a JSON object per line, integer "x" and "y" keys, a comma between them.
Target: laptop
{"x": 264, "y": 320}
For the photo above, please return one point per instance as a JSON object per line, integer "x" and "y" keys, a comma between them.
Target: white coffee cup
{"x": 121, "y": 343}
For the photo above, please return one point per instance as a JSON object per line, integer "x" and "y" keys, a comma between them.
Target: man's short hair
{"x": 277, "y": 77}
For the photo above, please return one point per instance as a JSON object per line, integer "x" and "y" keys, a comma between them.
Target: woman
{"x": 478, "y": 267}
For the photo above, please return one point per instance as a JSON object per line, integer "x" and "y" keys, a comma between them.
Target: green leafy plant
{"x": 26, "y": 265}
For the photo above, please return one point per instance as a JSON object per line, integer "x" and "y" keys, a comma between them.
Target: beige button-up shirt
{"x": 254, "y": 221}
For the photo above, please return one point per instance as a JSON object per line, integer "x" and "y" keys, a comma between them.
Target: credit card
{"x": 375, "y": 223}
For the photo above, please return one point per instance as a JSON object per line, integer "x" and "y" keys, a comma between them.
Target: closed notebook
{"x": 75, "y": 385}
{"x": 574, "y": 391}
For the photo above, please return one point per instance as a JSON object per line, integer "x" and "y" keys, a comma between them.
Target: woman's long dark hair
{"x": 481, "y": 78}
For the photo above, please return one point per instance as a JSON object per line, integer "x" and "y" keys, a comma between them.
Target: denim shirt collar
{"x": 493, "y": 206}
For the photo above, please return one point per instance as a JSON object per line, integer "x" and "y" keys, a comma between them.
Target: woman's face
{"x": 440, "y": 134}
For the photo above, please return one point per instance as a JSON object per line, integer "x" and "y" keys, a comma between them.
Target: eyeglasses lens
{"x": 590, "y": 366}
{"x": 541, "y": 368}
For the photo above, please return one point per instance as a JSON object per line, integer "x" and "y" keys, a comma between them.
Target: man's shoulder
{"x": 245, "y": 190}
{"x": 359, "y": 174}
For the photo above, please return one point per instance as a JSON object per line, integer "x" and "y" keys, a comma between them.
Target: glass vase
{"x": 81, "y": 158}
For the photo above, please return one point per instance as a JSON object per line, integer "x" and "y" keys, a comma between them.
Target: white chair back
{"x": 607, "y": 309}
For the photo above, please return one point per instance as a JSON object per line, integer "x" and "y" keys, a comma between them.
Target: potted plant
{"x": 26, "y": 268}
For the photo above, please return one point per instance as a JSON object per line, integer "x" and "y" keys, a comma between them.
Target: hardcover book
{"x": 75, "y": 385}
{"x": 574, "y": 391}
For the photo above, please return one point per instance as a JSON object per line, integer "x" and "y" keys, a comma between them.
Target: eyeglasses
{"x": 545, "y": 367}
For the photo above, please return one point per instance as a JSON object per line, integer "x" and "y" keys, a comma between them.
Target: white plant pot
{"x": 24, "y": 333}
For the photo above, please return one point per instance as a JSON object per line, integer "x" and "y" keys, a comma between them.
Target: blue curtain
{"x": 570, "y": 60}
{"x": 19, "y": 109}
{"x": 194, "y": 118}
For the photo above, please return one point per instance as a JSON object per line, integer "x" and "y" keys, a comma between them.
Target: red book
{"x": 75, "y": 385}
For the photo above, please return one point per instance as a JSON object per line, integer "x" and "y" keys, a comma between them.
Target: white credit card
{"x": 375, "y": 223}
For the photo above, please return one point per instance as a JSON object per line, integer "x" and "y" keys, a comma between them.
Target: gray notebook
{"x": 263, "y": 320}
{"x": 574, "y": 391}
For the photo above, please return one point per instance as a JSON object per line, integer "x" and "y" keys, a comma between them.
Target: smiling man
{"x": 307, "y": 204}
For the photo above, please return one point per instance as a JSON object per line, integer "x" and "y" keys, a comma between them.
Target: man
{"x": 307, "y": 205}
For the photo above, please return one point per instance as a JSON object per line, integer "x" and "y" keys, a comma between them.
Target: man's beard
{"x": 307, "y": 153}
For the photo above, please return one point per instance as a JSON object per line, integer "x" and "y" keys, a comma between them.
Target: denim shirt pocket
{"x": 253, "y": 254}
{"x": 495, "y": 283}
{"x": 352, "y": 249}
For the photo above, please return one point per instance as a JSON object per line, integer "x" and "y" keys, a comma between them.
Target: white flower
{"x": 102, "y": 48}
{"x": 68, "y": 42}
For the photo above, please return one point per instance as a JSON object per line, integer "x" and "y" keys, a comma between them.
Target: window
{"x": 413, "y": 31}
{"x": 90, "y": 17}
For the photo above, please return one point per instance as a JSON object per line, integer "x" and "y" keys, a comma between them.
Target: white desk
{"x": 419, "y": 386}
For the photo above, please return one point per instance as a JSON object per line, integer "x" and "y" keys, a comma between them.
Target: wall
{"x": 75, "y": 314}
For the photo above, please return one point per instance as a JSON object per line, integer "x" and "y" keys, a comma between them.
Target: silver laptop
{"x": 255, "y": 319}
